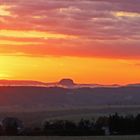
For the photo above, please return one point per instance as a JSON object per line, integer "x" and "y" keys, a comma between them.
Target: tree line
{"x": 105, "y": 125}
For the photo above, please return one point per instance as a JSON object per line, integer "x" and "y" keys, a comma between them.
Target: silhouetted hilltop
{"x": 66, "y": 82}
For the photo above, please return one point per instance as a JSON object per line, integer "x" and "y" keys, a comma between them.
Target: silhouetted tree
{"x": 114, "y": 125}
{"x": 11, "y": 126}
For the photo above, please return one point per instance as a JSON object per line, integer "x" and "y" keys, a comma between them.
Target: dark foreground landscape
{"x": 57, "y": 111}
{"x": 73, "y": 138}
{"x": 112, "y": 125}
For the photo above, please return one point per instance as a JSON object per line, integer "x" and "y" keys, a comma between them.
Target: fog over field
{"x": 33, "y": 104}
{"x": 31, "y": 98}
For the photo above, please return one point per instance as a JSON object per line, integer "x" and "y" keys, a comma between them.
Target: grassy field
{"x": 74, "y": 138}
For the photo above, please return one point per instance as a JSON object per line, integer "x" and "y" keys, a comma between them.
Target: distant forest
{"x": 105, "y": 125}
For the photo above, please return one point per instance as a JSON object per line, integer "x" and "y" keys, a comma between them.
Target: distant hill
{"x": 21, "y": 83}
{"x": 134, "y": 85}
{"x": 66, "y": 83}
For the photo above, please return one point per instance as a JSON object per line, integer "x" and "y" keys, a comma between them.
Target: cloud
{"x": 104, "y": 28}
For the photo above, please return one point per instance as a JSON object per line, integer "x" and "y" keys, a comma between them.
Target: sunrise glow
{"x": 88, "y": 41}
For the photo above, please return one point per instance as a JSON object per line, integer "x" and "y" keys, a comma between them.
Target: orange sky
{"x": 88, "y": 41}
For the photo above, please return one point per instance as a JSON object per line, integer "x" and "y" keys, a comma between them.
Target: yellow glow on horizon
{"x": 81, "y": 70}
{"x": 33, "y": 34}
{"x": 126, "y": 14}
{"x": 3, "y": 76}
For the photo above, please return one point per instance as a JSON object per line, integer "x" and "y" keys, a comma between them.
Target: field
{"x": 35, "y": 119}
{"x": 74, "y": 138}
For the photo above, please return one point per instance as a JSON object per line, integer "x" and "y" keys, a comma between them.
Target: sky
{"x": 90, "y": 41}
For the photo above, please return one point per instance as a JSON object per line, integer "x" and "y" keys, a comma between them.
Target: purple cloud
{"x": 104, "y": 28}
